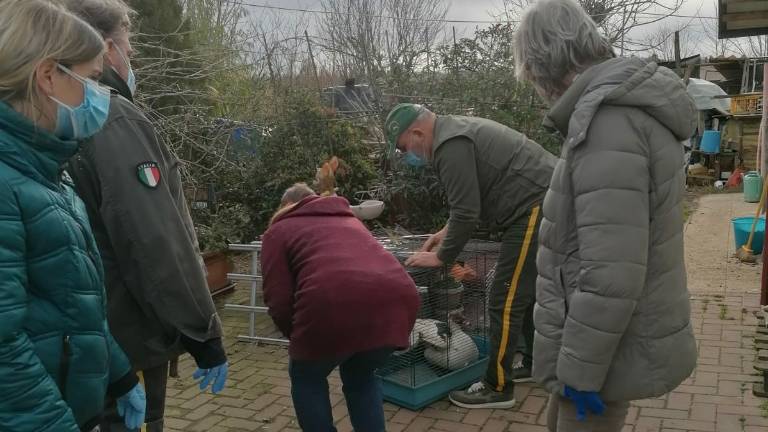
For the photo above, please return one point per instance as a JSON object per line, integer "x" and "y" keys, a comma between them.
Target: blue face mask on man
{"x": 131, "y": 81}
{"x": 414, "y": 160}
{"x": 85, "y": 120}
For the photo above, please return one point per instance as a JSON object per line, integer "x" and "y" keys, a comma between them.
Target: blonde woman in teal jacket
{"x": 58, "y": 359}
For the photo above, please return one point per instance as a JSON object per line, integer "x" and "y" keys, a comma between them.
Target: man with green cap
{"x": 495, "y": 175}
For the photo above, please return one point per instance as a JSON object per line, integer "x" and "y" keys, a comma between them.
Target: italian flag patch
{"x": 149, "y": 174}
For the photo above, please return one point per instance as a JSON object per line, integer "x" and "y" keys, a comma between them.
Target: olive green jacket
{"x": 490, "y": 173}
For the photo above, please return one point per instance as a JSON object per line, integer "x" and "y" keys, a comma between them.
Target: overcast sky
{"x": 485, "y": 9}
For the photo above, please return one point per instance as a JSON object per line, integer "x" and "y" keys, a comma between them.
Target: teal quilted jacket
{"x": 57, "y": 357}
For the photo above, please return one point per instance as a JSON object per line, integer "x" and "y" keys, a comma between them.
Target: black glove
{"x": 208, "y": 354}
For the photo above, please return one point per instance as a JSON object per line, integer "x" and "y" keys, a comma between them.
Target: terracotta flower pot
{"x": 217, "y": 265}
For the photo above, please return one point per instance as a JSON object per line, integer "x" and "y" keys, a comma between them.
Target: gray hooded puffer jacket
{"x": 613, "y": 310}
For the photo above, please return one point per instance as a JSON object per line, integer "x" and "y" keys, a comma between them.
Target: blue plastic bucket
{"x": 710, "y": 142}
{"x": 741, "y": 228}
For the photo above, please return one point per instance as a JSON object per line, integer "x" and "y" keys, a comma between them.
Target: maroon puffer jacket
{"x": 330, "y": 287}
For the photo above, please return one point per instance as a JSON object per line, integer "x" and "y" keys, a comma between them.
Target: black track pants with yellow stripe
{"x": 511, "y": 299}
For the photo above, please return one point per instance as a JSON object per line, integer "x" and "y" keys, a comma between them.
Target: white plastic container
{"x": 367, "y": 210}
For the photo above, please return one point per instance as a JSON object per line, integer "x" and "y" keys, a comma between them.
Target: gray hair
{"x": 296, "y": 193}
{"x": 424, "y": 114}
{"x": 557, "y": 38}
{"x": 106, "y": 16}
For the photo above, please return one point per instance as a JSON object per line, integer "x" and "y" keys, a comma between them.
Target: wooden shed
{"x": 739, "y": 18}
{"x": 740, "y": 133}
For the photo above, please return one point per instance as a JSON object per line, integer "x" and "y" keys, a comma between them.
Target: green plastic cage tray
{"x": 419, "y": 384}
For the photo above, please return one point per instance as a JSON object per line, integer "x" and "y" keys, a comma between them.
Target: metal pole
{"x": 762, "y": 145}
{"x": 754, "y": 76}
{"x": 744, "y": 77}
{"x": 677, "y": 52}
{"x": 246, "y": 308}
{"x": 263, "y": 339}
{"x": 251, "y": 309}
{"x": 763, "y": 126}
{"x": 254, "y": 287}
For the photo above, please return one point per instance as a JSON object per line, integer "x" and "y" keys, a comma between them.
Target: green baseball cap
{"x": 399, "y": 120}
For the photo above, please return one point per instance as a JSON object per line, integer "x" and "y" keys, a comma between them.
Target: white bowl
{"x": 367, "y": 210}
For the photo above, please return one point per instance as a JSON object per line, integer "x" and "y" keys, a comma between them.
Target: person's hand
{"x": 423, "y": 259}
{"x": 584, "y": 401}
{"x": 216, "y": 375}
{"x": 132, "y": 407}
{"x": 434, "y": 240}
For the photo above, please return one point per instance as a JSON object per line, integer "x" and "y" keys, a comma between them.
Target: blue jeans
{"x": 362, "y": 390}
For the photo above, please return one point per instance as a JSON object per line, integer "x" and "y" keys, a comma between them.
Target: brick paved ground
{"x": 717, "y": 397}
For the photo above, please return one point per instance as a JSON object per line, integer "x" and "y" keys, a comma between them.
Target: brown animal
{"x": 325, "y": 179}
{"x": 462, "y": 272}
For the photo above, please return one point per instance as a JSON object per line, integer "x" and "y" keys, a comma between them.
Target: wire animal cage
{"x": 448, "y": 347}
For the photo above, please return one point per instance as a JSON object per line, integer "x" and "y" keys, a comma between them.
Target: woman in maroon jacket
{"x": 342, "y": 300}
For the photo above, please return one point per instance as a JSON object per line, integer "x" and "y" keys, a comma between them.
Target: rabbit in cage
{"x": 446, "y": 344}
{"x": 427, "y": 331}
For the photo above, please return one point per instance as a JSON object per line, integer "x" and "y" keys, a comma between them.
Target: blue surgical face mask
{"x": 131, "y": 81}
{"x": 85, "y": 120}
{"x": 414, "y": 160}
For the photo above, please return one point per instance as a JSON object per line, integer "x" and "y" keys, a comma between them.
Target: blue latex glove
{"x": 217, "y": 375}
{"x": 132, "y": 407}
{"x": 584, "y": 401}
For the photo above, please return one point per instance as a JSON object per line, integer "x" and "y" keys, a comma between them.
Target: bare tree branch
{"x": 365, "y": 41}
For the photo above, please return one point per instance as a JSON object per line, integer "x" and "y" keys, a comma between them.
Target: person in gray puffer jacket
{"x": 613, "y": 313}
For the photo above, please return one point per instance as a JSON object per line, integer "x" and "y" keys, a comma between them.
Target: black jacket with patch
{"x": 158, "y": 299}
